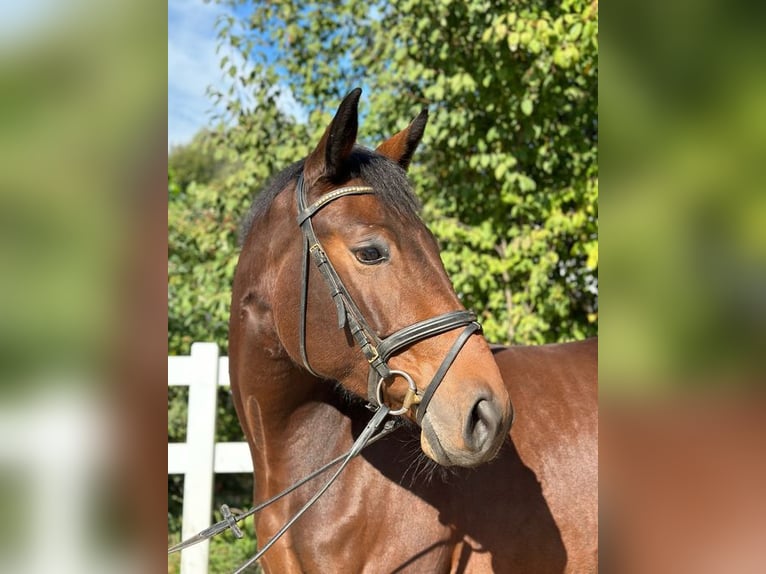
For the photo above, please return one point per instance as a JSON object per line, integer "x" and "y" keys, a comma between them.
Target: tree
{"x": 508, "y": 171}
{"x": 202, "y": 254}
{"x": 202, "y": 230}
{"x": 195, "y": 162}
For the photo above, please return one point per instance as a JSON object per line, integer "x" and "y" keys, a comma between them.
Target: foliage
{"x": 226, "y": 553}
{"x": 508, "y": 170}
{"x": 202, "y": 231}
{"x": 195, "y": 163}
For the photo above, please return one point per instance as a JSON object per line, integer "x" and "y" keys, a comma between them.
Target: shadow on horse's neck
{"x": 455, "y": 490}
{"x": 499, "y": 506}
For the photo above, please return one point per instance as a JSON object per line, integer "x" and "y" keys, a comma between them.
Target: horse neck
{"x": 285, "y": 411}
{"x": 283, "y": 408}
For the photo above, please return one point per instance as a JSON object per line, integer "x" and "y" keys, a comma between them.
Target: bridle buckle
{"x": 374, "y": 356}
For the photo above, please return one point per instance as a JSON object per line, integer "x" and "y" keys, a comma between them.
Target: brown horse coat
{"x": 531, "y": 510}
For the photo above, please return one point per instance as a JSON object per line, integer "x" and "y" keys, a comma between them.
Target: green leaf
{"x": 526, "y": 106}
{"x": 574, "y": 31}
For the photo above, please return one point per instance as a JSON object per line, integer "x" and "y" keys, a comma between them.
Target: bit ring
{"x": 411, "y": 398}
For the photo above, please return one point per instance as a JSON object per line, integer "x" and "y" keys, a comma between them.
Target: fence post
{"x": 200, "y": 440}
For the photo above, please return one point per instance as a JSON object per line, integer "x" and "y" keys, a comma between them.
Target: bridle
{"x": 377, "y": 351}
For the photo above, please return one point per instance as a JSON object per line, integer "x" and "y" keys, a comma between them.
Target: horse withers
{"x": 335, "y": 241}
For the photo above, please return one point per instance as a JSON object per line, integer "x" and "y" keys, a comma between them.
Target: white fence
{"x": 200, "y": 457}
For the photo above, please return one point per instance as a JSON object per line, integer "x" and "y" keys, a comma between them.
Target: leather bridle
{"x": 377, "y": 351}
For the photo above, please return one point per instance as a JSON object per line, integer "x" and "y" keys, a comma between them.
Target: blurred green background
{"x": 79, "y": 98}
{"x": 82, "y": 130}
{"x": 683, "y": 130}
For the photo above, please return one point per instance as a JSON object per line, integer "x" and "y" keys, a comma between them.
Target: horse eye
{"x": 369, "y": 255}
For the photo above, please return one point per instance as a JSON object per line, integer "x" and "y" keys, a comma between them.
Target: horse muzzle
{"x": 476, "y": 441}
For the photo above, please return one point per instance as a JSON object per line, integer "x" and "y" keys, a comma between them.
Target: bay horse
{"x": 335, "y": 240}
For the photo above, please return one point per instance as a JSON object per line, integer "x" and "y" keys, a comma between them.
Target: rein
{"x": 229, "y": 522}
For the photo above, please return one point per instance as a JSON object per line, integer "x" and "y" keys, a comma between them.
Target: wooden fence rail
{"x": 200, "y": 457}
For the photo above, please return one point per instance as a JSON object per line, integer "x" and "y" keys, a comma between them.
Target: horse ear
{"x": 337, "y": 142}
{"x": 401, "y": 147}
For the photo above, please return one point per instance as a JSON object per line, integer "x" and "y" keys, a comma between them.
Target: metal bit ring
{"x": 411, "y": 398}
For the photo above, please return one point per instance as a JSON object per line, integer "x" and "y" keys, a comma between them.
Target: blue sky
{"x": 192, "y": 66}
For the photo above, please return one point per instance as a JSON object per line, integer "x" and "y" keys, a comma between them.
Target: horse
{"x": 340, "y": 298}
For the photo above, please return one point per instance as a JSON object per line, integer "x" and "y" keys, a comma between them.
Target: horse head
{"x": 359, "y": 294}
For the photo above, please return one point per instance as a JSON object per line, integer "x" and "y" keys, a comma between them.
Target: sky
{"x": 192, "y": 66}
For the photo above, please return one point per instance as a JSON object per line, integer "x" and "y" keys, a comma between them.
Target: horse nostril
{"x": 482, "y": 424}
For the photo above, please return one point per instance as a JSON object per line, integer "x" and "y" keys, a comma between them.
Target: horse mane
{"x": 387, "y": 178}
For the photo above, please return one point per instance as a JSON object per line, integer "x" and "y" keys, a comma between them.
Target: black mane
{"x": 388, "y": 179}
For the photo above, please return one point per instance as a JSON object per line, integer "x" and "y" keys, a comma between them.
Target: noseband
{"x": 377, "y": 351}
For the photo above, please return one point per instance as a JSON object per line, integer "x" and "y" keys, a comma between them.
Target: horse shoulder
{"x": 554, "y": 389}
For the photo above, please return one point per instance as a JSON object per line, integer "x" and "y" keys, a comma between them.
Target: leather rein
{"x": 377, "y": 351}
